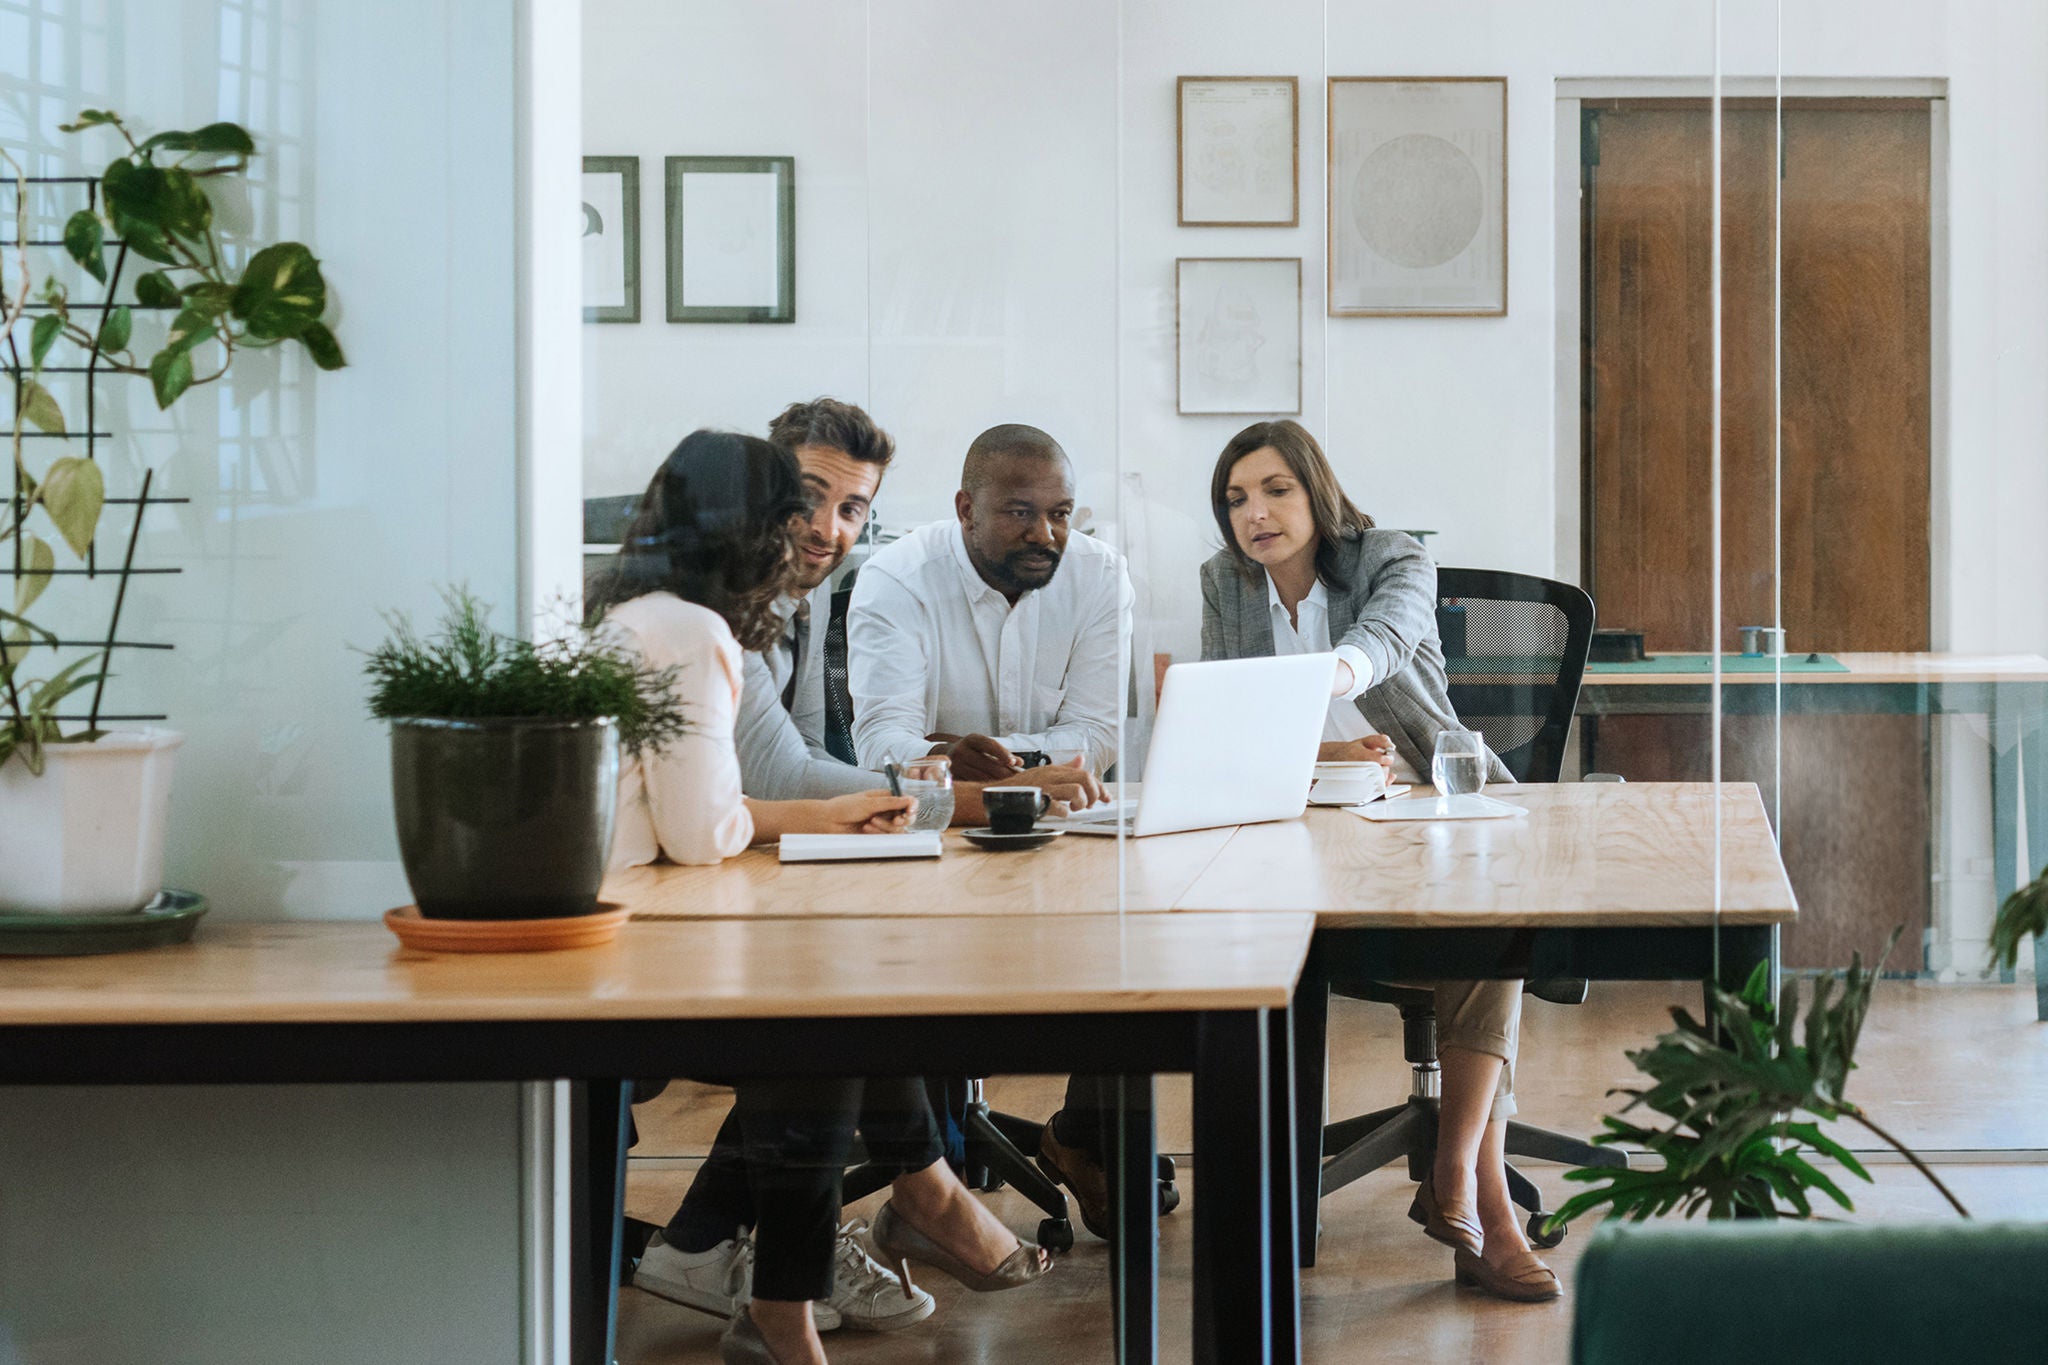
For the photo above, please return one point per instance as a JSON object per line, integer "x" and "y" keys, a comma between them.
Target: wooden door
{"x": 1854, "y": 476}
{"x": 1856, "y": 430}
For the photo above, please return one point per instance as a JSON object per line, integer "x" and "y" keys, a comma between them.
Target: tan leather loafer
{"x": 1523, "y": 1278}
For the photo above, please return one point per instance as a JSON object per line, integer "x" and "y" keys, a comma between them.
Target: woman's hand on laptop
{"x": 868, "y": 813}
{"x": 1372, "y": 749}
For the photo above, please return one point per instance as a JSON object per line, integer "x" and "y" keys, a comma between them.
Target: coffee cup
{"x": 1014, "y": 810}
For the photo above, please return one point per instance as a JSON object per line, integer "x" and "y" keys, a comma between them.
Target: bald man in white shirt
{"x": 992, "y": 636}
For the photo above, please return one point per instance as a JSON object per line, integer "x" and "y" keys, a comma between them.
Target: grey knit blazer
{"x": 1389, "y": 612}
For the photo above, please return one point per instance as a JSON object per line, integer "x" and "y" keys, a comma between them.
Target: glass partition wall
{"x": 1692, "y": 307}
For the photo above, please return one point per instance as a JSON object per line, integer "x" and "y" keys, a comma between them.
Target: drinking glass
{"x": 1459, "y": 766}
{"x": 930, "y": 780}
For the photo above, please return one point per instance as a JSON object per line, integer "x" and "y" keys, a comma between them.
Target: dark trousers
{"x": 777, "y": 1163}
{"x": 1087, "y": 1116}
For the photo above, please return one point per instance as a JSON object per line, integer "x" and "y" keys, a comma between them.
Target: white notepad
{"x": 851, "y": 848}
{"x": 1438, "y": 808}
{"x": 1352, "y": 791}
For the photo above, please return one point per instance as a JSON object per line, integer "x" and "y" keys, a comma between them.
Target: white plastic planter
{"x": 87, "y": 837}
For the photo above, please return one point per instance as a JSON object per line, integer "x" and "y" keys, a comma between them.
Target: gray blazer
{"x": 1389, "y": 613}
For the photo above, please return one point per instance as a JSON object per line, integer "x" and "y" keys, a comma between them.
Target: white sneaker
{"x": 718, "y": 1281}
{"x": 867, "y": 1297}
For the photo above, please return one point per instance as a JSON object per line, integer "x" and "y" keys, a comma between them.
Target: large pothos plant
{"x": 153, "y": 214}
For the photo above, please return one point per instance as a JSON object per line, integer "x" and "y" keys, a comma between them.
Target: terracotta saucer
{"x": 414, "y": 930}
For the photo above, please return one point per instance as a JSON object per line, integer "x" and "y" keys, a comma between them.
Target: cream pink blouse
{"x": 684, "y": 802}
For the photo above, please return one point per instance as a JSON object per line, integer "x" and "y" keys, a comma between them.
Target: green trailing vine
{"x": 152, "y": 206}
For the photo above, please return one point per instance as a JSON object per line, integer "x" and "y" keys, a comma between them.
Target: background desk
{"x": 1850, "y": 865}
{"x": 343, "y": 1002}
{"x": 1604, "y": 880}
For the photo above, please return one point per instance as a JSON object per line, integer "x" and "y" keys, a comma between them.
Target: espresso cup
{"x": 1014, "y": 810}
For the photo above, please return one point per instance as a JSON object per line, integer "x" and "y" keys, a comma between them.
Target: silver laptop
{"x": 1234, "y": 743}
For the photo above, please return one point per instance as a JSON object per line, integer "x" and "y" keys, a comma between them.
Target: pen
{"x": 895, "y": 787}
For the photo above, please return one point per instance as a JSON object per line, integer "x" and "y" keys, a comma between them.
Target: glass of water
{"x": 1459, "y": 766}
{"x": 930, "y": 780}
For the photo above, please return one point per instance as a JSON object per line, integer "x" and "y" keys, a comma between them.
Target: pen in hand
{"x": 895, "y": 785}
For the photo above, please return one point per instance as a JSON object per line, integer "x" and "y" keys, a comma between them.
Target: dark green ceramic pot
{"x": 504, "y": 819}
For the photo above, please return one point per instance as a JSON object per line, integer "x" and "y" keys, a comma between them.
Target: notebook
{"x": 859, "y": 848}
{"x": 1439, "y": 808}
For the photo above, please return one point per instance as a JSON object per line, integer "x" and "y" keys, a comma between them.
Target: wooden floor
{"x": 1947, "y": 1068}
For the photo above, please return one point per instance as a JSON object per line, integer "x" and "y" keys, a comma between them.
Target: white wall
{"x": 974, "y": 303}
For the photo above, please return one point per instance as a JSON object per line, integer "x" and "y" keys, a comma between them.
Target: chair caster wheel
{"x": 1542, "y": 1236}
{"x": 1169, "y": 1197}
{"x": 1166, "y": 1171}
{"x": 1056, "y": 1235}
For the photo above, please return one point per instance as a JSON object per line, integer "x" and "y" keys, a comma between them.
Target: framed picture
{"x": 731, "y": 238}
{"x": 611, "y": 239}
{"x": 1237, "y": 334}
{"x": 1418, "y": 196}
{"x": 1239, "y": 140}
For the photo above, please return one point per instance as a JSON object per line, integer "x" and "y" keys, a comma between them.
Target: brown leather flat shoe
{"x": 1523, "y": 1279}
{"x": 1084, "y": 1177}
{"x": 1456, "y": 1227}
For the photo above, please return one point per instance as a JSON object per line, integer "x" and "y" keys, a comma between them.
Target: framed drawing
{"x": 1239, "y": 140}
{"x": 1237, "y": 334}
{"x": 1418, "y": 196}
{"x": 731, "y": 238}
{"x": 611, "y": 239}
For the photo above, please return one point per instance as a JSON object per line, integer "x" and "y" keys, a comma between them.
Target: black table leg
{"x": 597, "y": 1162}
{"x": 1284, "y": 1279}
{"x": 1134, "y": 1259}
{"x": 1232, "y": 1228}
{"x": 1311, "y": 1058}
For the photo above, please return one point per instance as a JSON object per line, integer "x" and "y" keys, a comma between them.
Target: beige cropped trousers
{"x": 1482, "y": 1016}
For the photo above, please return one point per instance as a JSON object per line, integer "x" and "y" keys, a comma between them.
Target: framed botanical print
{"x": 1239, "y": 144}
{"x": 731, "y": 238}
{"x": 611, "y": 239}
{"x": 1418, "y": 196}
{"x": 1237, "y": 334}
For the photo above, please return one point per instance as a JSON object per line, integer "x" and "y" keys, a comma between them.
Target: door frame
{"x": 1571, "y": 93}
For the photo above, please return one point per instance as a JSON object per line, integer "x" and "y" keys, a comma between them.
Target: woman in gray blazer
{"x": 1304, "y": 571}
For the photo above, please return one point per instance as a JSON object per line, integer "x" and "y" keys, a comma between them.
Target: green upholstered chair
{"x": 1814, "y": 1293}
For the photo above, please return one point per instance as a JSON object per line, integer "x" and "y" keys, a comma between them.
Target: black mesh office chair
{"x": 1515, "y": 647}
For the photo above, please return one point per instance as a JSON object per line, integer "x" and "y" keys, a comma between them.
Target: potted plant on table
{"x": 505, "y": 759}
{"x": 82, "y": 809}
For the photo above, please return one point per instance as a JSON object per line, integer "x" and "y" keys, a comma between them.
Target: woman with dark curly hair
{"x": 696, "y": 582}
{"x": 697, "y": 579}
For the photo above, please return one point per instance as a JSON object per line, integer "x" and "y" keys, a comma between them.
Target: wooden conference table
{"x": 827, "y": 996}
{"x": 1610, "y": 881}
{"x": 2010, "y": 691}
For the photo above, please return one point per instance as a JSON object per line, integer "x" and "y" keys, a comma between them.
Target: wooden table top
{"x": 1859, "y": 668}
{"x": 1076, "y": 874}
{"x": 1588, "y": 854}
{"x": 355, "y": 972}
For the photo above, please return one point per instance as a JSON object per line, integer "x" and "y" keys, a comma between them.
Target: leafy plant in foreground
{"x": 2023, "y": 915}
{"x": 155, "y": 210}
{"x": 467, "y": 670}
{"x": 1731, "y": 1093}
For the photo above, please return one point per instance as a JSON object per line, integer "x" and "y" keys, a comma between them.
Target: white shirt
{"x": 684, "y": 802}
{"x": 1312, "y": 636}
{"x": 932, "y": 648}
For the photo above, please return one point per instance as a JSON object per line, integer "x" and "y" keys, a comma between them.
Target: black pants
{"x": 1088, "y": 1115}
{"x": 777, "y": 1163}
